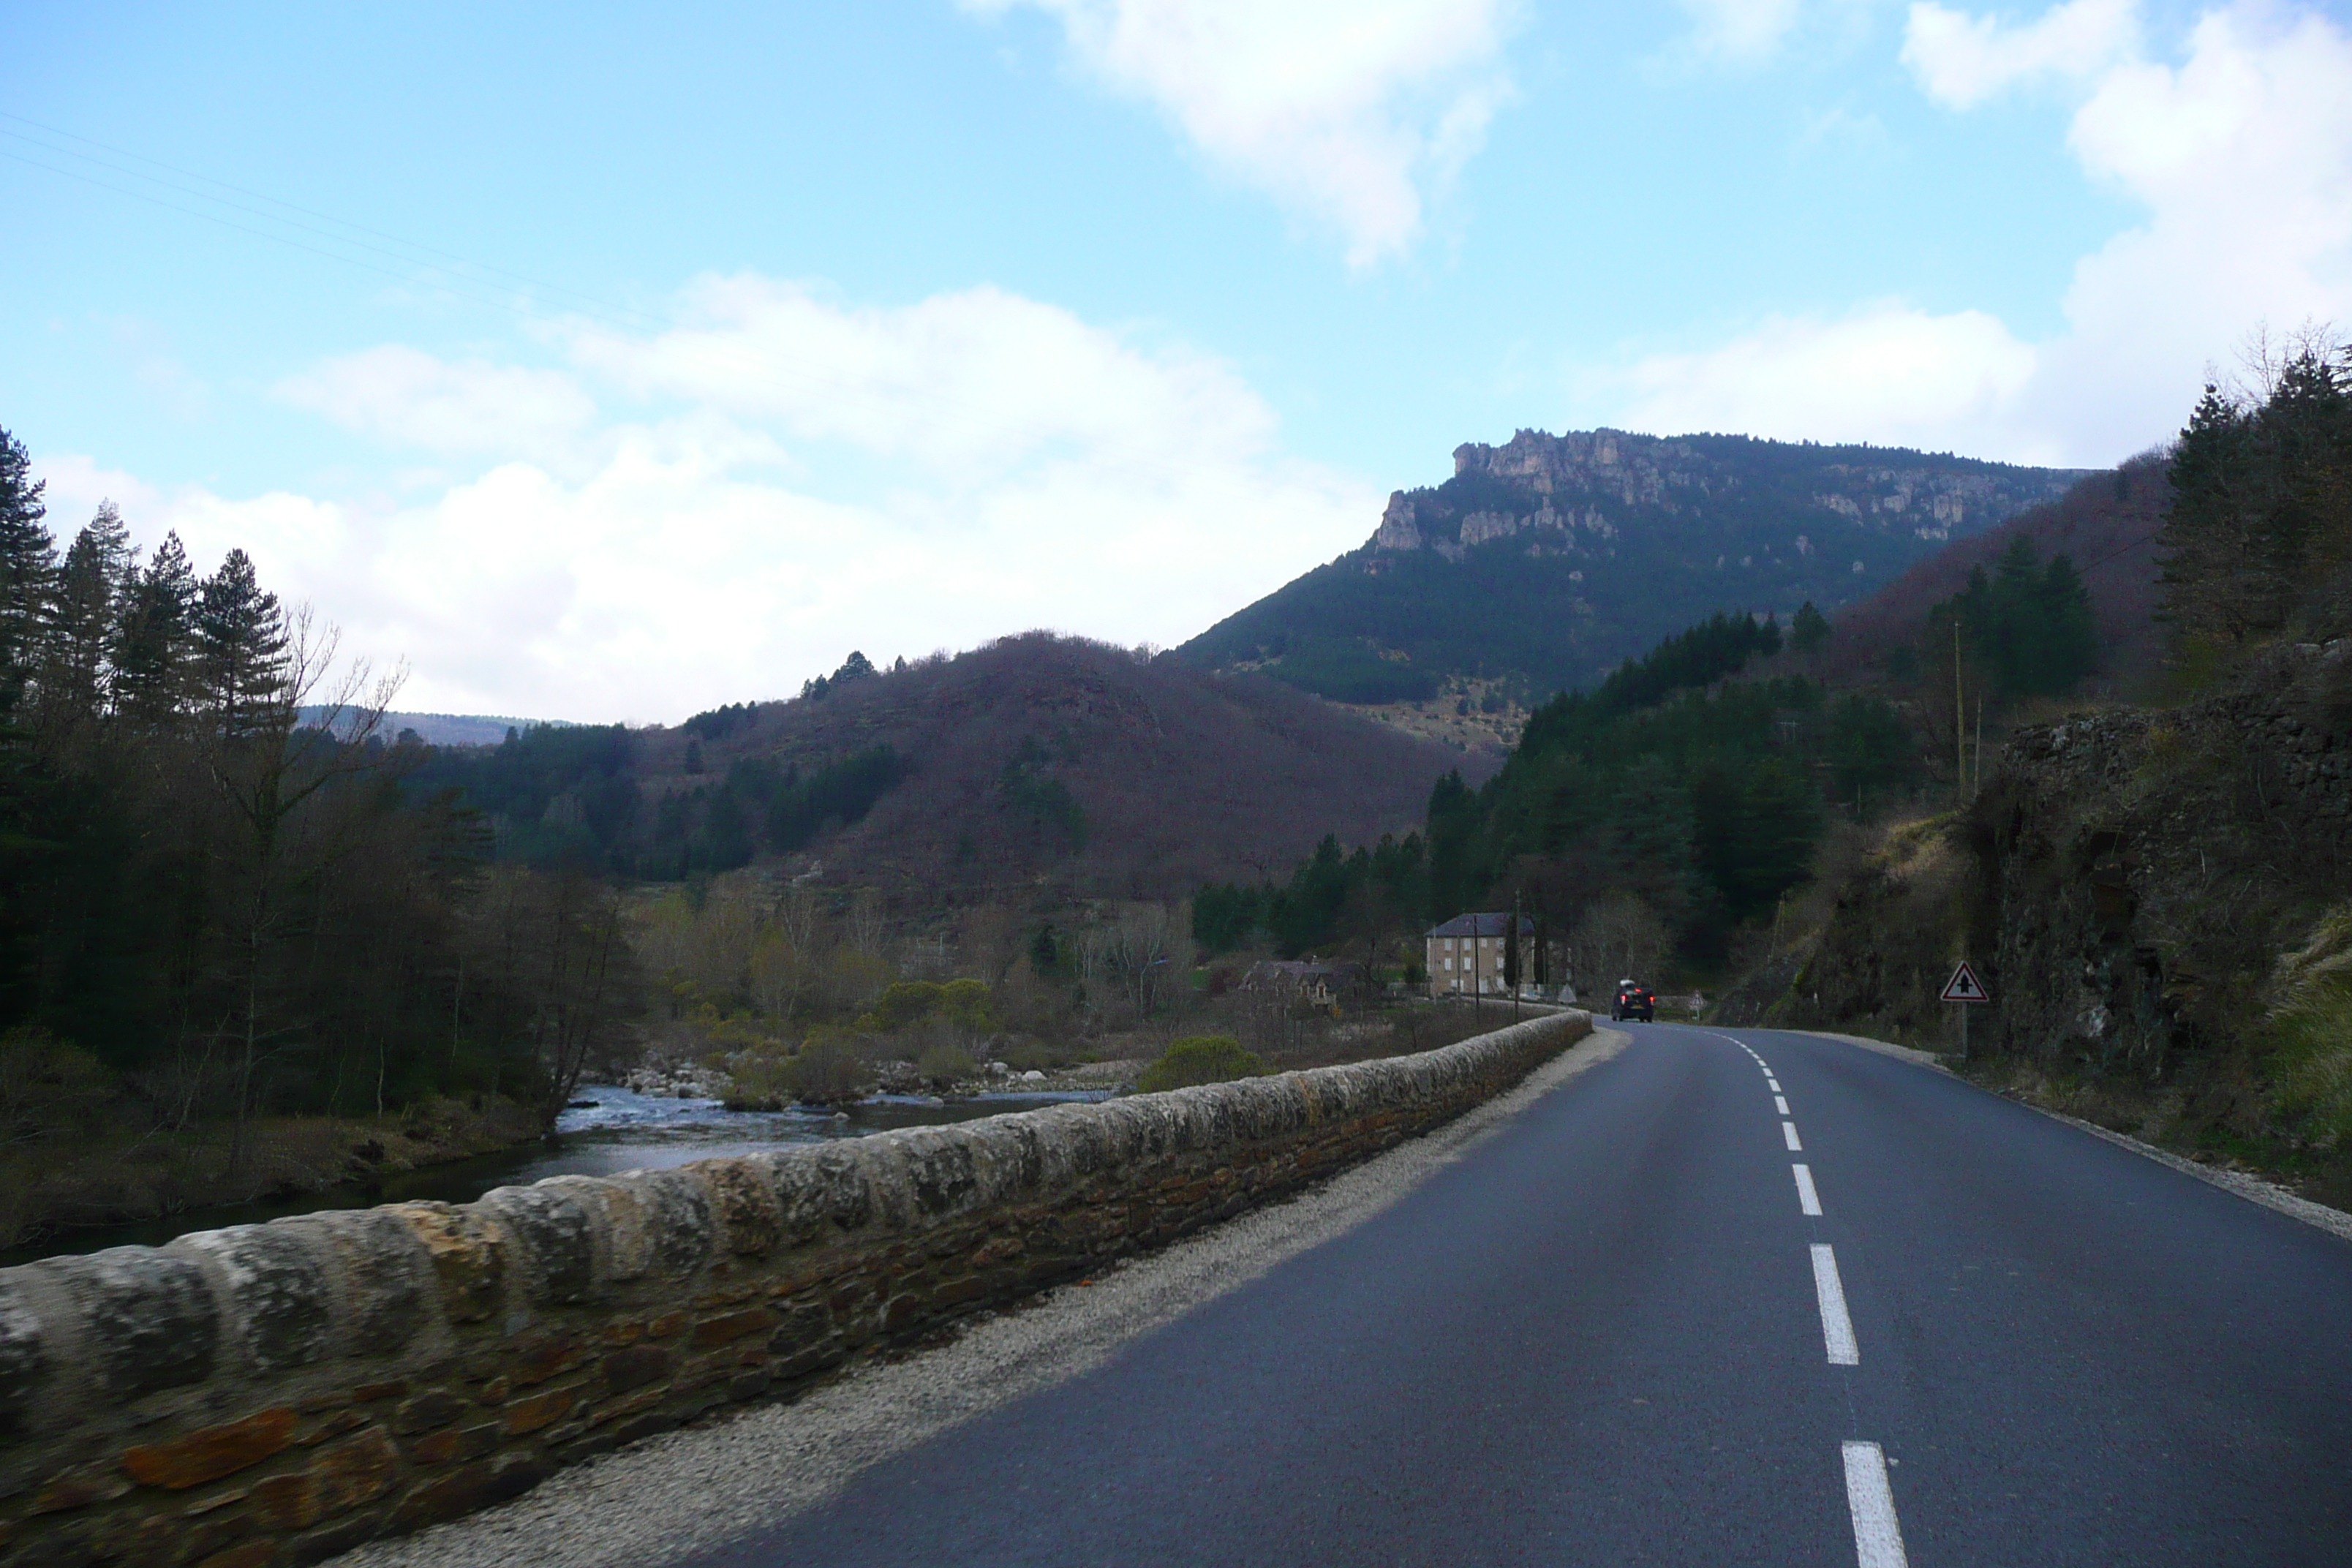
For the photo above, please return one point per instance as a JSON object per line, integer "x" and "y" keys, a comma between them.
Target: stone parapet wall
{"x": 274, "y": 1393}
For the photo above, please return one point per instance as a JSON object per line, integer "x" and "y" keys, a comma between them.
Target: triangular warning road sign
{"x": 1964, "y": 986}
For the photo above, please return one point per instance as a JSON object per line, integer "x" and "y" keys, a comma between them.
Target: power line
{"x": 2118, "y": 549}
{"x": 451, "y": 271}
{"x": 432, "y": 254}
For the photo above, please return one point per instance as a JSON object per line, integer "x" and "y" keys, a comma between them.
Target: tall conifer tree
{"x": 28, "y": 567}
{"x": 156, "y": 644}
{"x": 90, "y": 601}
{"x": 240, "y": 642}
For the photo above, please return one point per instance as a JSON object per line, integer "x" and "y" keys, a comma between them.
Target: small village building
{"x": 1320, "y": 983}
{"x": 1465, "y": 956}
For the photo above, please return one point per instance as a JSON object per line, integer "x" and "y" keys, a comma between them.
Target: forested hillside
{"x": 1545, "y": 562}
{"x": 1648, "y": 817}
{"x": 1036, "y": 767}
{"x": 212, "y": 911}
{"x": 1658, "y": 822}
{"x": 2106, "y": 526}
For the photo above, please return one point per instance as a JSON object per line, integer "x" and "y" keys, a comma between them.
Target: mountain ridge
{"x": 1548, "y": 560}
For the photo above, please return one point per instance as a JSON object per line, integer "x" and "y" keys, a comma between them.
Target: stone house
{"x": 1465, "y": 956}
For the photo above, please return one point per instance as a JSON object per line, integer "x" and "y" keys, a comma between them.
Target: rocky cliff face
{"x": 2150, "y": 866}
{"x": 2126, "y": 885}
{"x": 1545, "y": 562}
{"x": 1573, "y": 492}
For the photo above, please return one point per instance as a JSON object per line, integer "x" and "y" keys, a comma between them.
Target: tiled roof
{"x": 1495, "y": 924}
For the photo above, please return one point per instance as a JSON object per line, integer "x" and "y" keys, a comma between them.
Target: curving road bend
{"x": 1732, "y": 1297}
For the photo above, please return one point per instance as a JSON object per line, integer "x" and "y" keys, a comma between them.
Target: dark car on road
{"x": 1634, "y": 1002}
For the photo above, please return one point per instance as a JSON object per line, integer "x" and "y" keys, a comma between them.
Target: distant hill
{"x": 1035, "y": 766}
{"x": 1543, "y": 564}
{"x": 449, "y": 729}
{"x": 2106, "y": 524}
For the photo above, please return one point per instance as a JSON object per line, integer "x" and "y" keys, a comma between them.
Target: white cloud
{"x": 1040, "y": 471}
{"x": 1962, "y": 60}
{"x": 76, "y": 485}
{"x": 2240, "y": 157}
{"x": 1741, "y": 29}
{"x": 1886, "y": 372}
{"x": 1350, "y": 111}
{"x": 469, "y": 406}
{"x": 968, "y": 385}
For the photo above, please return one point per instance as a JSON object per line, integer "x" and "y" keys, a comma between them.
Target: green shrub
{"x": 904, "y": 1002}
{"x": 1200, "y": 1059}
{"x": 964, "y": 1003}
{"x": 764, "y": 1080}
{"x": 2312, "y": 1010}
{"x": 945, "y": 1065}
{"x": 828, "y": 1070}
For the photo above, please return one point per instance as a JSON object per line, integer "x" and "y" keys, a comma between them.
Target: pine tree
{"x": 2070, "y": 633}
{"x": 2258, "y": 508}
{"x": 27, "y": 568}
{"x": 156, "y": 644}
{"x": 240, "y": 641}
{"x": 1809, "y": 629}
{"x": 89, "y": 598}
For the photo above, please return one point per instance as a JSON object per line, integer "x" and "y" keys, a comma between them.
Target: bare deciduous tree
{"x": 1620, "y": 936}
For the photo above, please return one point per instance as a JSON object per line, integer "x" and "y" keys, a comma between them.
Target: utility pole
{"x": 1960, "y": 718}
{"x": 1478, "y": 975}
{"x": 1512, "y": 979}
{"x": 1979, "y": 789}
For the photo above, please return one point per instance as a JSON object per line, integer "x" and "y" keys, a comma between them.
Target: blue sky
{"x": 612, "y": 363}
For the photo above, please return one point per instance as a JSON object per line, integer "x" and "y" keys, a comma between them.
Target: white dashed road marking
{"x": 1807, "y": 1199}
{"x": 1870, "y": 1498}
{"x": 1877, "y": 1538}
{"x": 1837, "y": 1328}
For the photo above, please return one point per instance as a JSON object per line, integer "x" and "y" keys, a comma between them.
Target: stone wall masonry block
{"x": 939, "y": 1171}
{"x": 148, "y": 1319}
{"x": 637, "y": 1366}
{"x": 436, "y": 1407}
{"x": 24, "y": 1361}
{"x": 467, "y": 1253}
{"x": 750, "y": 1218}
{"x": 558, "y": 1234}
{"x": 282, "y": 1297}
{"x": 359, "y": 1373}
{"x": 545, "y": 1408}
{"x": 534, "y": 1357}
{"x": 210, "y": 1453}
{"x": 385, "y": 1272}
{"x": 677, "y": 1211}
{"x": 883, "y": 1162}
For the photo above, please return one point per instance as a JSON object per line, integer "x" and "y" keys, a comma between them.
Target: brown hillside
{"x": 2106, "y": 523}
{"x": 1182, "y": 777}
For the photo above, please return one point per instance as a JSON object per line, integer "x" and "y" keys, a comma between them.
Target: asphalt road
{"x": 1613, "y": 1333}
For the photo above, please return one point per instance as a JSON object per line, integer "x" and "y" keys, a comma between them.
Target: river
{"x": 605, "y": 1132}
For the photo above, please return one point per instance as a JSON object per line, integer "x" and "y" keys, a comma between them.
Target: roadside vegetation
{"x": 2155, "y": 890}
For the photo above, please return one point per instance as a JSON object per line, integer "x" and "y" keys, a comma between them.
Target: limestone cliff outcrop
{"x": 1581, "y": 486}
{"x": 1544, "y": 562}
